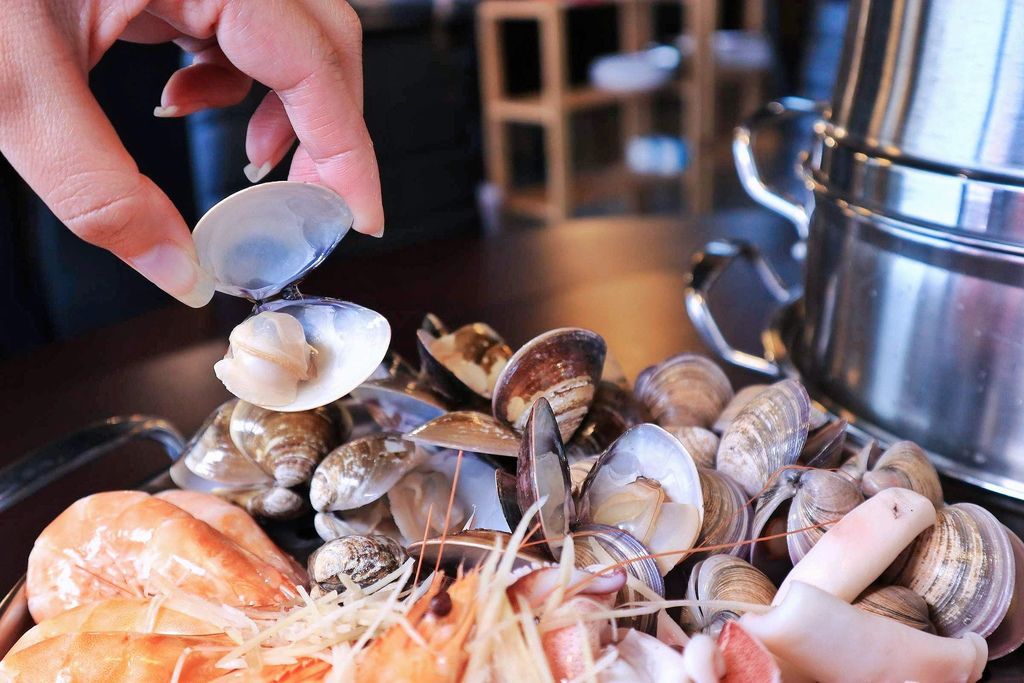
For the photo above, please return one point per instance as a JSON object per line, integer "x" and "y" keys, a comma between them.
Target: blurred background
{"x": 487, "y": 116}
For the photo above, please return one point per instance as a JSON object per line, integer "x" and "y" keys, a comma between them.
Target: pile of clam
{"x": 723, "y": 495}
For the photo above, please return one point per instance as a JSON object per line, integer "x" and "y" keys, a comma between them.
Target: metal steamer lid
{"x": 982, "y": 207}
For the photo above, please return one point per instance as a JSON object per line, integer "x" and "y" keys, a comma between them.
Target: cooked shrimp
{"x": 116, "y": 658}
{"x": 130, "y": 544}
{"x": 135, "y": 615}
{"x": 238, "y": 525}
{"x": 443, "y": 619}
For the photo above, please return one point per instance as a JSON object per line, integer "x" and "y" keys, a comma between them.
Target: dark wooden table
{"x": 622, "y": 277}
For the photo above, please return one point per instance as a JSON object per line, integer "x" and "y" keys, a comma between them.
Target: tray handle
{"x": 42, "y": 467}
{"x": 708, "y": 266}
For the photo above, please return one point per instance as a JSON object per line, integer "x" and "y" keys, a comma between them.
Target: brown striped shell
{"x": 898, "y": 603}
{"x": 725, "y": 577}
{"x": 687, "y": 390}
{"x": 904, "y": 465}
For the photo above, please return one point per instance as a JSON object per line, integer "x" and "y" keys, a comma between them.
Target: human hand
{"x": 55, "y": 135}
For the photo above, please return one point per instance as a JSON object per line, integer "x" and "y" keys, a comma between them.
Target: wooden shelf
{"x": 535, "y": 109}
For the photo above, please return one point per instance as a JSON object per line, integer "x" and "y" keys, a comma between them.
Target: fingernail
{"x": 166, "y": 112}
{"x": 256, "y": 173}
{"x": 174, "y": 270}
{"x": 379, "y": 233}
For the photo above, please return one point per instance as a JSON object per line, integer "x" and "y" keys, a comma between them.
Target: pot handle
{"x": 42, "y": 467}
{"x": 772, "y": 113}
{"x": 708, "y": 265}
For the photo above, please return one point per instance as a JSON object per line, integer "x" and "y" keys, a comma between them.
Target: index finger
{"x": 283, "y": 46}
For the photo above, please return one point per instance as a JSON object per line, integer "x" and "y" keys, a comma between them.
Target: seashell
{"x": 508, "y": 495}
{"x": 289, "y": 446}
{"x": 362, "y": 559}
{"x": 614, "y": 410}
{"x": 212, "y": 456}
{"x": 646, "y": 483}
{"x": 361, "y": 471}
{"x": 1009, "y": 635}
{"x": 267, "y": 358}
{"x": 372, "y": 519}
{"x": 398, "y": 405}
{"x": 579, "y": 468}
{"x": 727, "y": 515}
{"x": 599, "y": 545}
{"x": 393, "y": 367}
{"x": 463, "y": 365}
{"x": 858, "y": 463}
{"x": 904, "y": 465}
{"x": 700, "y": 443}
{"x": 613, "y": 373}
{"x": 767, "y": 435}
{"x": 467, "y": 549}
{"x": 738, "y": 402}
{"x": 542, "y": 474}
{"x": 725, "y": 578}
{"x": 824, "y": 446}
{"x": 821, "y": 497}
{"x": 684, "y": 391}
{"x": 274, "y": 502}
{"x": 467, "y": 430}
{"x": 899, "y": 603}
{"x": 434, "y": 326}
{"x": 564, "y": 366}
{"x": 770, "y": 523}
{"x": 964, "y": 568}
{"x": 425, "y": 492}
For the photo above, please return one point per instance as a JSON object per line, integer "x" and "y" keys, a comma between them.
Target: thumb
{"x": 55, "y": 135}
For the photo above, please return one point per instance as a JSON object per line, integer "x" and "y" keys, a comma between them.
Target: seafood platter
{"x": 491, "y": 514}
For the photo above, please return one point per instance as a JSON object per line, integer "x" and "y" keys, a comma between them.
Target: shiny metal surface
{"x": 934, "y": 81}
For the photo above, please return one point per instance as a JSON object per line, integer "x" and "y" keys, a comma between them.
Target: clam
{"x": 725, "y": 578}
{"x": 684, "y": 391}
{"x": 542, "y": 475}
{"x": 467, "y": 549}
{"x": 363, "y": 560}
{"x": 899, "y": 603}
{"x": 467, "y": 430}
{"x": 599, "y": 545}
{"x": 462, "y": 365}
{"x": 964, "y": 567}
{"x": 613, "y": 372}
{"x": 361, "y": 471}
{"x": 1009, "y": 635}
{"x": 294, "y": 352}
{"x": 212, "y": 456}
{"x": 824, "y": 446}
{"x": 738, "y": 402}
{"x": 822, "y": 497}
{"x": 434, "y": 325}
{"x": 579, "y": 468}
{"x": 904, "y": 465}
{"x": 614, "y": 410}
{"x": 397, "y": 404}
{"x": 701, "y": 443}
{"x": 564, "y": 366}
{"x": 373, "y": 519}
{"x": 647, "y": 484}
{"x": 508, "y": 496}
{"x": 289, "y": 446}
{"x": 393, "y": 367}
{"x": 727, "y": 515}
{"x": 424, "y": 493}
{"x": 858, "y": 463}
{"x": 767, "y": 435}
{"x": 273, "y": 502}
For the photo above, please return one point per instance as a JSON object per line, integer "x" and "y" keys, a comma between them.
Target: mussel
{"x": 294, "y": 352}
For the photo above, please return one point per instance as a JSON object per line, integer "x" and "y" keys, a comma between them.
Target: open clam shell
{"x": 727, "y": 516}
{"x": 542, "y": 474}
{"x": 964, "y": 567}
{"x": 463, "y": 365}
{"x": 821, "y": 497}
{"x": 614, "y": 410}
{"x": 904, "y": 465}
{"x": 899, "y": 603}
{"x": 212, "y": 456}
{"x": 725, "y": 578}
{"x": 361, "y": 471}
{"x": 508, "y": 495}
{"x": 647, "y": 484}
{"x": 769, "y": 547}
{"x": 824, "y": 446}
{"x": 859, "y": 463}
{"x": 687, "y": 390}
{"x": 767, "y": 435}
{"x": 600, "y": 545}
{"x": 467, "y": 430}
{"x": 398, "y": 405}
{"x": 564, "y": 366}
{"x": 289, "y": 446}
